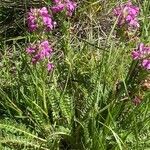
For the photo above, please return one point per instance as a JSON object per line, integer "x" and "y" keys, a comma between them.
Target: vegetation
{"x": 93, "y": 95}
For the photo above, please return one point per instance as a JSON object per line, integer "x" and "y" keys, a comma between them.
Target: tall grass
{"x": 84, "y": 102}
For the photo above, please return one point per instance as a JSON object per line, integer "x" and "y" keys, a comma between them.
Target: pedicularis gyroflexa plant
{"x": 127, "y": 18}
{"x": 39, "y": 52}
{"x": 127, "y": 22}
{"x": 40, "y": 21}
{"x": 127, "y": 15}
{"x": 142, "y": 83}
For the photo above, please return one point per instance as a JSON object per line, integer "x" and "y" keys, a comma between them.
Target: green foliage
{"x": 17, "y": 136}
{"x": 84, "y": 103}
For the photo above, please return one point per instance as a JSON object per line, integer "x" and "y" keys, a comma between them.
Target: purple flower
{"x": 61, "y": 5}
{"x": 47, "y": 21}
{"x": 50, "y": 67}
{"x": 40, "y": 18}
{"x": 142, "y": 53}
{"x": 32, "y": 19}
{"x": 31, "y": 50}
{"x": 135, "y": 55}
{"x": 134, "y": 23}
{"x": 58, "y": 8}
{"x": 45, "y": 50}
{"x": 39, "y": 51}
{"x": 127, "y": 15}
{"x": 43, "y": 11}
{"x": 146, "y": 64}
{"x": 141, "y": 47}
{"x": 36, "y": 58}
{"x": 70, "y": 6}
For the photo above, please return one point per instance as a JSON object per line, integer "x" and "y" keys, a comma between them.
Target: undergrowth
{"x": 86, "y": 101}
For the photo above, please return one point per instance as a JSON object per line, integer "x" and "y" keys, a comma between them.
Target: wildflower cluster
{"x": 40, "y": 18}
{"x": 127, "y": 19}
{"x": 127, "y": 15}
{"x": 142, "y": 53}
{"x": 64, "y": 5}
{"x": 39, "y": 51}
{"x": 141, "y": 80}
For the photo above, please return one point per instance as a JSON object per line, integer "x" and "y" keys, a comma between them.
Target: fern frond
{"x": 20, "y": 142}
{"x": 66, "y": 106}
{"x": 17, "y": 135}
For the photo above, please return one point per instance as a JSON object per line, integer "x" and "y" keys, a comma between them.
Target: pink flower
{"x": 135, "y": 55}
{"x": 66, "y": 5}
{"x": 43, "y": 11}
{"x": 39, "y": 51}
{"x": 40, "y": 18}
{"x": 47, "y": 21}
{"x": 70, "y": 7}
{"x": 141, "y": 47}
{"x": 45, "y": 50}
{"x": 146, "y": 64}
{"x": 58, "y": 8}
{"x": 31, "y": 50}
{"x": 36, "y": 58}
{"x": 142, "y": 53}
{"x": 127, "y": 15}
{"x": 50, "y": 67}
{"x": 134, "y": 23}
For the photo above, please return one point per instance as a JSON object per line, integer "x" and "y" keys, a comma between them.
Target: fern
{"x": 16, "y": 136}
{"x": 54, "y": 98}
{"x": 66, "y": 106}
